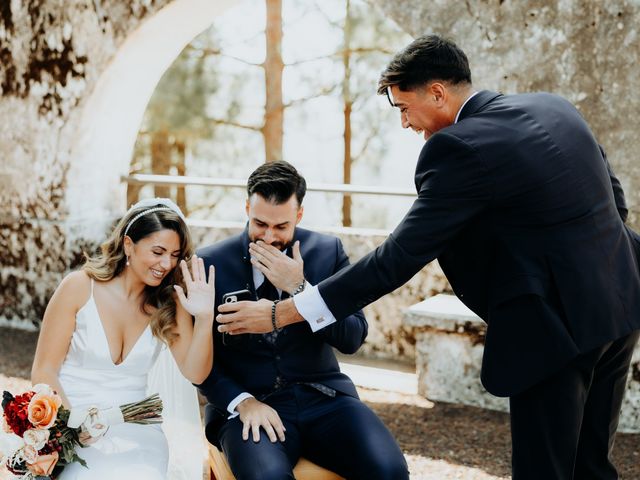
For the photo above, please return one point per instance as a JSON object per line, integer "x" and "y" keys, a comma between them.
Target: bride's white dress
{"x": 89, "y": 377}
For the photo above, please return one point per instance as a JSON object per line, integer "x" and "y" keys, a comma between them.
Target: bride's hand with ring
{"x": 200, "y": 296}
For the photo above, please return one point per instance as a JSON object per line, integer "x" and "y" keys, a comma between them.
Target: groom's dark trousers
{"x": 297, "y": 374}
{"x": 339, "y": 433}
{"x": 520, "y": 207}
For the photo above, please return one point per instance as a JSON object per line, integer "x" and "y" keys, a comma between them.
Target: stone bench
{"x": 304, "y": 470}
{"x": 449, "y": 347}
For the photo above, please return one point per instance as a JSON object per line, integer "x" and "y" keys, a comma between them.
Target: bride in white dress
{"x": 106, "y": 324}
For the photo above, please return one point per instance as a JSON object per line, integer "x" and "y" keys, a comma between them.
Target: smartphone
{"x": 237, "y": 296}
{"x": 232, "y": 297}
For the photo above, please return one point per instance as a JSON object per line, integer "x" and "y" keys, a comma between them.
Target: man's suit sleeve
{"x": 621, "y": 205}
{"x": 618, "y": 193}
{"x": 220, "y": 389}
{"x": 349, "y": 334}
{"x": 453, "y": 186}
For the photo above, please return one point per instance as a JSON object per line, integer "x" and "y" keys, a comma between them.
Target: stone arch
{"x": 111, "y": 116}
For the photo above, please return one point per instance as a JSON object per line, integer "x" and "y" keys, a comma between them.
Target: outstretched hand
{"x": 199, "y": 299}
{"x": 282, "y": 271}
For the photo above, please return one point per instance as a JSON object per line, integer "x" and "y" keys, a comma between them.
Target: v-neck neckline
{"x": 106, "y": 338}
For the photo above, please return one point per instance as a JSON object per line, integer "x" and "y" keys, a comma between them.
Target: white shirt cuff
{"x": 231, "y": 408}
{"x": 311, "y": 306}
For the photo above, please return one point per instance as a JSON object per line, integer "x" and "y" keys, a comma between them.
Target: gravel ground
{"x": 440, "y": 441}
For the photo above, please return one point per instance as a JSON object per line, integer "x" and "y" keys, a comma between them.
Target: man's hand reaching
{"x": 255, "y": 317}
{"x": 245, "y": 317}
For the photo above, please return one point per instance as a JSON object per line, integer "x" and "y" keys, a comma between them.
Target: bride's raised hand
{"x": 200, "y": 296}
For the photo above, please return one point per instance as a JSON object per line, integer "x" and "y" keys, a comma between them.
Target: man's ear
{"x": 246, "y": 207}
{"x": 439, "y": 93}
{"x": 299, "y": 214}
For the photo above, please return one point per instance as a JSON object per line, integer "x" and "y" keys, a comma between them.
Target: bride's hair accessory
{"x": 166, "y": 204}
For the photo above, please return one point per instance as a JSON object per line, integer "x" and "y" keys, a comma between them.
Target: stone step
{"x": 378, "y": 378}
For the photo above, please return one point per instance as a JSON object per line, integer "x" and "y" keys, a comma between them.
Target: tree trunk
{"x": 181, "y": 169}
{"x": 161, "y": 160}
{"x": 348, "y": 105}
{"x": 272, "y": 129}
{"x": 133, "y": 193}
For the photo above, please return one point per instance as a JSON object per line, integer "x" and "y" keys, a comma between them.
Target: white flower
{"x": 10, "y": 443}
{"x": 36, "y": 438}
{"x": 29, "y": 454}
{"x": 43, "y": 388}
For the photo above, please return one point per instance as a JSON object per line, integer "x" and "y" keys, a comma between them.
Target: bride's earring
{"x": 127, "y": 261}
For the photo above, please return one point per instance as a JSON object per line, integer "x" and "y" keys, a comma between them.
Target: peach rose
{"x": 43, "y": 409}
{"x": 44, "y": 464}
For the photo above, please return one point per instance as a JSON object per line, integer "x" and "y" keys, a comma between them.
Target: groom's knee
{"x": 263, "y": 468}
{"x": 249, "y": 460}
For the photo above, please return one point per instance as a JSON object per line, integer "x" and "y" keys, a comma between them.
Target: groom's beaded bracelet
{"x": 300, "y": 287}
{"x": 273, "y": 315}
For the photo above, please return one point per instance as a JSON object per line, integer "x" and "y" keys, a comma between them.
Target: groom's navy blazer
{"x": 515, "y": 200}
{"x": 248, "y": 362}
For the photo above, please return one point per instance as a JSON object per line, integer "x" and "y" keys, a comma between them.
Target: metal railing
{"x": 344, "y": 189}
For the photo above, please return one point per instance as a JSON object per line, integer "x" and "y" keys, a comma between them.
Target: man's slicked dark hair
{"x": 276, "y": 182}
{"x": 427, "y": 58}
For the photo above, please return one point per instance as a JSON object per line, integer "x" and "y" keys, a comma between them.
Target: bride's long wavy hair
{"x": 160, "y": 301}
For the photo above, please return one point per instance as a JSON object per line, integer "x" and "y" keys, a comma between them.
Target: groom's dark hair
{"x": 427, "y": 58}
{"x": 276, "y": 182}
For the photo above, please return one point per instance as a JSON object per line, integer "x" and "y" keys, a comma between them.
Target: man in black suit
{"x": 518, "y": 203}
{"x": 285, "y": 387}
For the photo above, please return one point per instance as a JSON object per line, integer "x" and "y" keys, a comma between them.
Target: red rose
{"x": 16, "y": 413}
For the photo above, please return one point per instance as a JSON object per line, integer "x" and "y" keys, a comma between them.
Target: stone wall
{"x": 52, "y": 54}
{"x": 586, "y": 51}
{"x": 75, "y": 77}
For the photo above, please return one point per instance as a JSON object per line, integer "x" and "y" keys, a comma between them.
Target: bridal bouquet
{"x": 39, "y": 439}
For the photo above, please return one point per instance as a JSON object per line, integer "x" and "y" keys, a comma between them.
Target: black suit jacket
{"x": 248, "y": 363}
{"x": 515, "y": 200}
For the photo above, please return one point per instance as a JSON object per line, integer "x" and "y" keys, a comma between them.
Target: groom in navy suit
{"x": 278, "y": 396}
{"x": 518, "y": 203}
